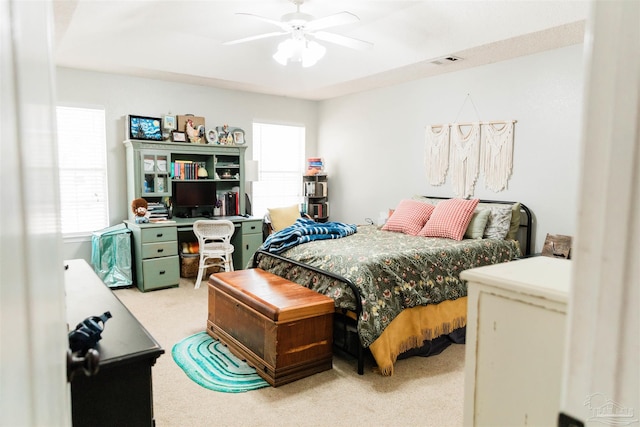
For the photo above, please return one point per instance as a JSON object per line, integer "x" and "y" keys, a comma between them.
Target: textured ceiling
{"x": 183, "y": 40}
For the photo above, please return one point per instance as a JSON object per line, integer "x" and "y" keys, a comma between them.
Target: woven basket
{"x": 189, "y": 267}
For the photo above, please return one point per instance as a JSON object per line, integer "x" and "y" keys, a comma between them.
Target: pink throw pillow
{"x": 409, "y": 217}
{"x": 449, "y": 219}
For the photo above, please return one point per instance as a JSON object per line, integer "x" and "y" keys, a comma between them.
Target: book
{"x": 231, "y": 203}
{"x": 237, "y": 203}
{"x": 321, "y": 189}
{"x": 182, "y": 169}
{"x": 157, "y": 211}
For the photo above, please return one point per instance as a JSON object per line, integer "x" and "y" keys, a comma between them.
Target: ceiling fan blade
{"x": 342, "y": 40}
{"x": 258, "y": 37}
{"x": 280, "y": 24}
{"x": 334, "y": 20}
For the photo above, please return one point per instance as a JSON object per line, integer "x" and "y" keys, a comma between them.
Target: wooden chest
{"x": 282, "y": 329}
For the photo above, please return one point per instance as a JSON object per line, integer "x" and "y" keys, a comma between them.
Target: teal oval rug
{"x": 209, "y": 363}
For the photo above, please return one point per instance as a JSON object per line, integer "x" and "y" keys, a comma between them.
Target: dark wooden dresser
{"x": 120, "y": 394}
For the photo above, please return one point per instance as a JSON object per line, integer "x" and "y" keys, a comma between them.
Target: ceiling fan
{"x": 304, "y": 29}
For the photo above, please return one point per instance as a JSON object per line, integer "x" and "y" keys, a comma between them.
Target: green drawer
{"x": 250, "y": 227}
{"x": 250, "y": 244}
{"x": 159, "y": 234}
{"x": 244, "y": 249}
{"x": 161, "y": 272}
{"x": 156, "y": 250}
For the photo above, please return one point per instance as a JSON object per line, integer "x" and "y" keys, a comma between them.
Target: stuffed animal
{"x": 139, "y": 208}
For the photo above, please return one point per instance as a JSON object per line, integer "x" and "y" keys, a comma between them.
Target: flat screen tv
{"x": 193, "y": 194}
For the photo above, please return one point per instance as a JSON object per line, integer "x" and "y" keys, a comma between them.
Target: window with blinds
{"x": 82, "y": 162}
{"x": 279, "y": 150}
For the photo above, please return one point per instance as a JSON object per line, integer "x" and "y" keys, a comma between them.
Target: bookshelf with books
{"x": 153, "y": 167}
{"x": 315, "y": 191}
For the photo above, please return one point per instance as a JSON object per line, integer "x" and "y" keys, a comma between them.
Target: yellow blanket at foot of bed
{"x": 415, "y": 325}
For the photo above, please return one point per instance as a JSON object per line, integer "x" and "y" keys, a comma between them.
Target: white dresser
{"x": 515, "y": 342}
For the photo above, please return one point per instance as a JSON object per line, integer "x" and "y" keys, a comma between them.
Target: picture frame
{"x": 200, "y": 138}
{"x": 557, "y": 246}
{"x": 212, "y": 136}
{"x": 169, "y": 123}
{"x": 177, "y": 136}
{"x": 144, "y": 128}
{"x": 224, "y": 135}
{"x": 182, "y": 121}
{"x": 238, "y": 136}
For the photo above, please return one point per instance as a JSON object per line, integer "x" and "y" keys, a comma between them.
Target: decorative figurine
{"x": 193, "y": 133}
{"x": 139, "y": 207}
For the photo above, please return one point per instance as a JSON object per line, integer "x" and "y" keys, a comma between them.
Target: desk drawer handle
{"x": 253, "y": 227}
{"x": 162, "y": 272}
{"x": 160, "y": 250}
{"x": 159, "y": 235}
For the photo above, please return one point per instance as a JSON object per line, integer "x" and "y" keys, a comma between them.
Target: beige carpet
{"x": 422, "y": 392}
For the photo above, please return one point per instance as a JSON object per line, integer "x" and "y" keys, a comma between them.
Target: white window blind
{"x": 279, "y": 150}
{"x": 82, "y": 161}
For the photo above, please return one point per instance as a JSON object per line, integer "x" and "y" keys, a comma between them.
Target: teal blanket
{"x": 306, "y": 230}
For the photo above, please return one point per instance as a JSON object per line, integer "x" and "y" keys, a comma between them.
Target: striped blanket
{"x": 306, "y": 230}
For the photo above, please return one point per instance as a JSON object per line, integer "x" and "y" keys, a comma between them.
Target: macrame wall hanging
{"x": 436, "y": 153}
{"x": 468, "y": 149}
{"x": 465, "y": 158}
{"x": 497, "y": 159}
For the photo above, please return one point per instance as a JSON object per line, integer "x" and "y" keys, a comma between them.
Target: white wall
{"x": 121, "y": 95}
{"x": 373, "y": 142}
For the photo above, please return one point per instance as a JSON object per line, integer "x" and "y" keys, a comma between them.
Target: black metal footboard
{"x": 357, "y": 298}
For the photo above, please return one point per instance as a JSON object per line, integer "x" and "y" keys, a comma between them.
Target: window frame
{"x": 100, "y": 151}
{"x": 297, "y": 171}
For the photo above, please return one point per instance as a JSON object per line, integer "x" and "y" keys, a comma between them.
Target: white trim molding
{"x": 602, "y": 356}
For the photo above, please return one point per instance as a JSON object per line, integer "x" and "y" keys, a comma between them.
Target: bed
{"x": 398, "y": 294}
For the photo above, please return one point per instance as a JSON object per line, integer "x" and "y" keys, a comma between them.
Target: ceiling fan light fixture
{"x": 299, "y": 50}
{"x": 285, "y": 51}
{"x": 312, "y": 53}
{"x": 304, "y": 30}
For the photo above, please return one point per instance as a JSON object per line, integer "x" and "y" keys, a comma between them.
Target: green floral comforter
{"x": 392, "y": 271}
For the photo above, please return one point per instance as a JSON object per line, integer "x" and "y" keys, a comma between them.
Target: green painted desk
{"x": 156, "y": 248}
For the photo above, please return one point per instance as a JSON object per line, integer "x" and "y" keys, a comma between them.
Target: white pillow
{"x": 499, "y": 222}
{"x": 424, "y": 199}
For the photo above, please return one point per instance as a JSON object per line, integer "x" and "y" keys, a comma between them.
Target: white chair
{"x": 214, "y": 242}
